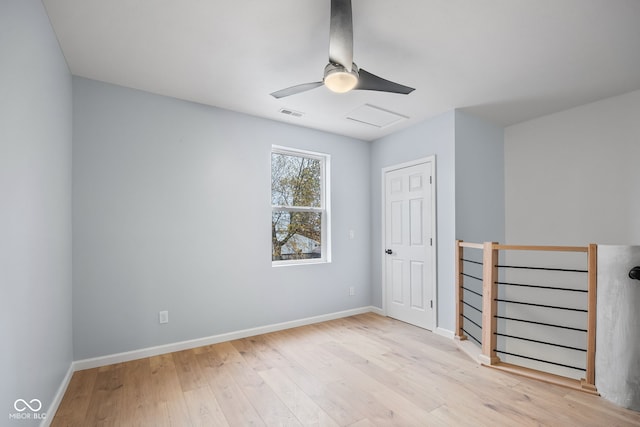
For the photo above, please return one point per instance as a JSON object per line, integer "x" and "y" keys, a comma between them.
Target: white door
{"x": 409, "y": 258}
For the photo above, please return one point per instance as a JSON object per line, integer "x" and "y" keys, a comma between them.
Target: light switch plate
{"x": 163, "y": 317}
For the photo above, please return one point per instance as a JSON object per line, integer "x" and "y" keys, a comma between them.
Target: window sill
{"x": 298, "y": 263}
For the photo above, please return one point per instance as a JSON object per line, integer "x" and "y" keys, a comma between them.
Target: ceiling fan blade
{"x": 296, "y": 89}
{"x": 368, "y": 81}
{"x": 341, "y": 34}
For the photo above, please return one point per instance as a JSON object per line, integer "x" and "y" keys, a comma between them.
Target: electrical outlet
{"x": 352, "y": 291}
{"x": 352, "y": 234}
{"x": 163, "y": 317}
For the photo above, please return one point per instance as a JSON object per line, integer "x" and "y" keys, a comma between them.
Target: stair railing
{"x": 483, "y": 308}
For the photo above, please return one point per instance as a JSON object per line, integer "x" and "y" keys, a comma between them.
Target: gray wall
{"x": 171, "y": 211}
{"x": 432, "y": 137}
{"x": 35, "y": 208}
{"x": 469, "y": 192}
{"x": 479, "y": 167}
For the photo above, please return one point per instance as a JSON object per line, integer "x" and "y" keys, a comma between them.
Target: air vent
{"x": 291, "y": 113}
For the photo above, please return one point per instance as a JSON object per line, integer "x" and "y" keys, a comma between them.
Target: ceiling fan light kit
{"x": 341, "y": 75}
{"x": 338, "y": 79}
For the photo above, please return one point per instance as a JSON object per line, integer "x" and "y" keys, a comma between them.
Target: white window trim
{"x": 325, "y": 208}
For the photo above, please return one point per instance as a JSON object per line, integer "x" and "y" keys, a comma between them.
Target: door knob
{"x": 388, "y": 251}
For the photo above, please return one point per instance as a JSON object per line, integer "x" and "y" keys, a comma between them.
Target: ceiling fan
{"x": 341, "y": 74}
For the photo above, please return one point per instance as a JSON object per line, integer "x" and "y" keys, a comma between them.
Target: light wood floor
{"x": 360, "y": 371}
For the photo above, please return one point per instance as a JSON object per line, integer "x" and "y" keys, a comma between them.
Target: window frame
{"x": 324, "y": 209}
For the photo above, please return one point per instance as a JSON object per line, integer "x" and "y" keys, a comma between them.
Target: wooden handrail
{"x": 464, "y": 244}
{"x": 541, "y": 248}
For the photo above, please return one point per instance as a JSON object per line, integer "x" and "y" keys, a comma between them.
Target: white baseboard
{"x": 473, "y": 351}
{"x": 57, "y": 398}
{"x": 377, "y": 310}
{"x": 96, "y": 362}
{"x": 444, "y": 332}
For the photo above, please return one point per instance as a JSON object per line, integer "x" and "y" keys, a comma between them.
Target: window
{"x": 299, "y": 207}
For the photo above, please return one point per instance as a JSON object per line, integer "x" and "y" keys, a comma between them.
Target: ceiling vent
{"x": 291, "y": 113}
{"x": 375, "y": 116}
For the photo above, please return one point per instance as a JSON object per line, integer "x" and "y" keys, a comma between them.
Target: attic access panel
{"x": 375, "y": 116}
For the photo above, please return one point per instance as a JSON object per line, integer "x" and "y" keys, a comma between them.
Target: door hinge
{"x": 431, "y": 303}
{"x": 430, "y": 180}
{"x": 431, "y": 241}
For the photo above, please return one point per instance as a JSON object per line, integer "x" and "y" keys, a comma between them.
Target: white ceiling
{"x": 504, "y": 60}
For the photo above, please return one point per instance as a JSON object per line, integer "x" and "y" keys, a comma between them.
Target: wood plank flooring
{"x": 360, "y": 371}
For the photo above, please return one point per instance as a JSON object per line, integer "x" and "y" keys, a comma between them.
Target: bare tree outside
{"x": 296, "y": 197}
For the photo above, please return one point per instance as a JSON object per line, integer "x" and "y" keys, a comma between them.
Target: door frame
{"x": 434, "y": 253}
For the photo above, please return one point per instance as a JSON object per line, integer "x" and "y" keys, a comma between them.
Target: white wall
{"x": 35, "y": 209}
{"x": 572, "y": 177}
{"x": 432, "y": 137}
{"x": 172, "y": 212}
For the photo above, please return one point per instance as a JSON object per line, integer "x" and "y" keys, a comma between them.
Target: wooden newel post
{"x": 459, "y": 296}
{"x": 489, "y": 305}
{"x": 589, "y": 383}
